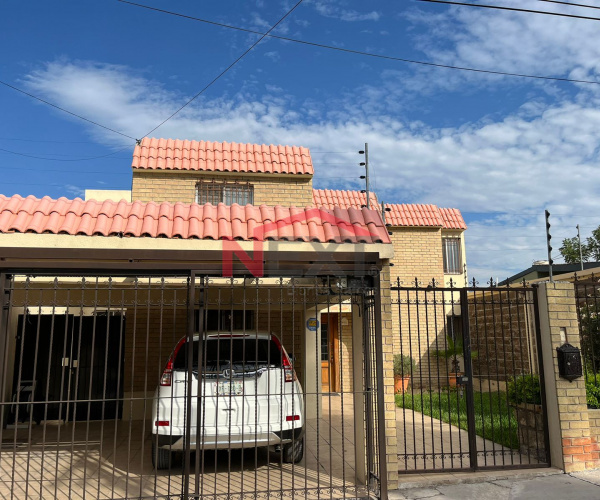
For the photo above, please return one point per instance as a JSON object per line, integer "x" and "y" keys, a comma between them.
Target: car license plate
{"x": 227, "y": 388}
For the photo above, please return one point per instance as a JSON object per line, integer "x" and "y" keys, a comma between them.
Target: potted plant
{"x": 525, "y": 396}
{"x": 453, "y": 351}
{"x": 403, "y": 367}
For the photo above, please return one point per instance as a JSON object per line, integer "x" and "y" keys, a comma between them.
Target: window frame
{"x": 453, "y": 257}
{"x": 227, "y": 192}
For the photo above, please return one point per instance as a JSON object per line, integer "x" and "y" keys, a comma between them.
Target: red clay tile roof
{"x": 413, "y": 215}
{"x": 424, "y": 216}
{"x": 166, "y": 220}
{"x": 329, "y": 198}
{"x": 170, "y": 154}
{"x": 452, "y": 218}
{"x": 402, "y": 215}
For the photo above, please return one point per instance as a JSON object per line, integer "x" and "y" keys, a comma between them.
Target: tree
{"x": 590, "y": 249}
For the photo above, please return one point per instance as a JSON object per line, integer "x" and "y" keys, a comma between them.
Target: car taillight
{"x": 167, "y": 375}
{"x": 162, "y": 423}
{"x": 291, "y": 418}
{"x": 288, "y": 369}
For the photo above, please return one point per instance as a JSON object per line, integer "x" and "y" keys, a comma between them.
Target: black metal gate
{"x": 189, "y": 386}
{"x": 468, "y": 378}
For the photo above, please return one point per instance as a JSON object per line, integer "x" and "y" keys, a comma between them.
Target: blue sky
{"x": 501, "y": 149}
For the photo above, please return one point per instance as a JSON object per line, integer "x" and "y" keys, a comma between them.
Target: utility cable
{"x": 363, "y": 53}
{"x": 571, "y": 4}
{"x": 222, "y": 73}
{"x": 514, "y": 9}
{"x": 62, "y": 159}
{"x": 65, "y": 110}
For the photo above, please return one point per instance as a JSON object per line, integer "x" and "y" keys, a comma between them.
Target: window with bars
{"x": 215, "y": 192}
{"x": 451, "y": 254}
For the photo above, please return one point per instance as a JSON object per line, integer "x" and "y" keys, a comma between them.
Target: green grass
{"x": 494, "y": 419}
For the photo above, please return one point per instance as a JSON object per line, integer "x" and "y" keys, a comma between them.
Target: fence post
{"x": 573, "y": 445}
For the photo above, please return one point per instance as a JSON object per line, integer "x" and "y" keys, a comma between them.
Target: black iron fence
{"x": 587, "y": 297}
{"x": 469, "y": 383}
{"x": 161, "y": 386}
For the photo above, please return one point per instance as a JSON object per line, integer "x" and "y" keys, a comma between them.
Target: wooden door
{"x": 330, "y": 346}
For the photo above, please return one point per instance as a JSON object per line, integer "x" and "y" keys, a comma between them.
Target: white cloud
{"x": 507, "y": 41}
{"x": 329, "y": 9}
{"x": 539, "y": 156}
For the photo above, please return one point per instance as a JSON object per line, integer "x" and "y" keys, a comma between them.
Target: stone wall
{"x": 174, "y": 186}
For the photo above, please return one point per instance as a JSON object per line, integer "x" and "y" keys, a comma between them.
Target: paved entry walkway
{"x": 426, "y": 443}
{"x": 538, "y": 484}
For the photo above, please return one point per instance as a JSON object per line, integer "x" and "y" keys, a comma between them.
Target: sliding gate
{"x": 469, "y": 383}
{"x": 189, "y": 386}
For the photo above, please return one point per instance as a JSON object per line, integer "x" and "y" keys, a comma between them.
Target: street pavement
{"x": 548, "y": 485}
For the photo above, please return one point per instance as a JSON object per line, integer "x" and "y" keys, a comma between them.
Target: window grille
{"x": 215, "y": 192}
{"x": 451, "y": 254}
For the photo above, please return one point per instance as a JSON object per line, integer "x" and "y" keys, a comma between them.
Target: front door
{"x": 73, "y": 362}
{"x": 330, "y": 346}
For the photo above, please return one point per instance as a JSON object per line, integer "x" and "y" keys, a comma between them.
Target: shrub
{"x": 404, "y": 365}
{"x": 524, "y": 389}
{"x": 592, "y": 389}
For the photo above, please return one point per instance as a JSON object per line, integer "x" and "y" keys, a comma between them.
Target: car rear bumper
{"x": 226, "y": 442}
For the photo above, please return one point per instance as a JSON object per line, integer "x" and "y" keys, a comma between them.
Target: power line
{"x": 222, "y": 73}
{"x": 514, "y": 9}
{"x": 65, "y": 110}
{"x": 363, "y": 53}
{"x": 63, "y": 159}
{"x": 571, "y": 4}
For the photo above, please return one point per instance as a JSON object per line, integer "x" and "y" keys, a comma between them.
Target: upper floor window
{"x": 451, "y": 254}
{"x": 215, "y": 192}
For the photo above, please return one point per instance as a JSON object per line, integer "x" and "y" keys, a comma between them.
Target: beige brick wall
{"x": 417, "y": 254}
{"x": 172, "y": 186}
{"x": 416, "y": 332}
{"x": 569, "y": 417}
{"x": 388, "y": 339}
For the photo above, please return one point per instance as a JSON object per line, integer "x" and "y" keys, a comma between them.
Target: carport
{"x": 88, "y": 325}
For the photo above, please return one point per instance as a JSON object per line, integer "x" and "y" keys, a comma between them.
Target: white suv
{"x": 250, "y": 397}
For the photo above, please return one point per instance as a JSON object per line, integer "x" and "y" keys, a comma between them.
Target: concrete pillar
{"x": 358, "y": 380}
{"x": 572, "y": 447}
{"x": 312, "y": 366}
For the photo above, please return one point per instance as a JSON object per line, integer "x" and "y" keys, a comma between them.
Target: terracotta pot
{"x": 452, "y": 377}
{"x": 400, "y": 384}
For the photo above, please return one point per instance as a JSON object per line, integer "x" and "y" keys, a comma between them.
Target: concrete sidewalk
{"x": 513, "y": 485}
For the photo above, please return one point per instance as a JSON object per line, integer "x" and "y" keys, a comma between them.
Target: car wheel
{"x": 161, "y": 458}
{"x": 292, "y": 453}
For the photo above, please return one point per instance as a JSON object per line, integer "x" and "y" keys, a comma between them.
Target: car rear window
{"x": 241, "y": 353}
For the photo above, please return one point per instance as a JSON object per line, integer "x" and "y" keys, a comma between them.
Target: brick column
{"x": 572, "y": 447}
{"x": 388, "y": 378}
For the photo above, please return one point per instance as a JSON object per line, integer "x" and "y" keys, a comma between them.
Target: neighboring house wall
{"x": 173, "y": 186}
